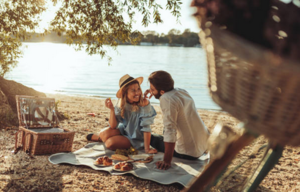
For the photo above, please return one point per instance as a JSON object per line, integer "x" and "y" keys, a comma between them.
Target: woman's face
{"x": 134, "y": 93}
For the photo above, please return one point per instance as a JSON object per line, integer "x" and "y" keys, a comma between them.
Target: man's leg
{"x": 182, "y": 156}
{"x": 157, "y": 142}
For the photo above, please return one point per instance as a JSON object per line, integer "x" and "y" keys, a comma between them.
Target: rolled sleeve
{"x": 170, "y": 112}
{"x": 146, "y": 128}
{"x": 147, "y": 116}
{"x": 118, "y": 114}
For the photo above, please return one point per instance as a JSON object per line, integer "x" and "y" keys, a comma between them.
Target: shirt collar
{"x": 166, "y": 94}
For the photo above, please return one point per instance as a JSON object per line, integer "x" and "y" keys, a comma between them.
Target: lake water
{"x": 58, "y": 68}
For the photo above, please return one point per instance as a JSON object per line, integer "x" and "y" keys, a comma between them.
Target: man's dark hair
{"x": 161, "y": 80}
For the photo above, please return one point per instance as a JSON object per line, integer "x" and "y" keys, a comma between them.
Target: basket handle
{"x": 17, "y": 147}
{"x": 28, "y": 143}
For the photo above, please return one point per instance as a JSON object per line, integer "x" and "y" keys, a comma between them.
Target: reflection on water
{"x": 54, "y": 68}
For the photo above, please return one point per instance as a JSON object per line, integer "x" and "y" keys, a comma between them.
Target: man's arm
{"x": 169, "y": 150}
{"x": 166, "y": 163}
{"x": 170, "y": 113}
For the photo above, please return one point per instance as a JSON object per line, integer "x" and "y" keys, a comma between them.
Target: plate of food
{"x": 126, "y": 152}
{"x": 123, "y": 166}
{"x": 139, "y": 156}
{"x": 119, "y": 157}
{"x": 142, "y": 158}
{"x": 103, "y": 161}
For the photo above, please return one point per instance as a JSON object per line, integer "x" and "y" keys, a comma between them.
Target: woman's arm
{"x": 147, "y": 138}
{"x": 148, "y": 120}
{"x": 112, "y": 118}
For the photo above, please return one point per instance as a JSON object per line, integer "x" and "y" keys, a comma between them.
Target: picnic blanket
{"x": 181, "y": 171}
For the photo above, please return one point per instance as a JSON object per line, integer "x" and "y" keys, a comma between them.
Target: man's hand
{"x": 109, "y": 104}
{"x": 146, "y": 94}
{"x": 162, "y": 165}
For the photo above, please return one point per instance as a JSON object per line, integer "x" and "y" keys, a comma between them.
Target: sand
{"x": 20, "y": 173}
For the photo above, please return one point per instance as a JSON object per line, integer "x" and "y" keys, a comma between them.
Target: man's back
{"x": 182, "y": 123}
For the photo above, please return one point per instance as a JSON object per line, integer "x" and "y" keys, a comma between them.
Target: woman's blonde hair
{"x": 123, "y": 99}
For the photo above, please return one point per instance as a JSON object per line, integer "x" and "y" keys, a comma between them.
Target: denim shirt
{"x": 135, "y": 123}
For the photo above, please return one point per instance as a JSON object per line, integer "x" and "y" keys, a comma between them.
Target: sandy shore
{"x": 20, "y": 173}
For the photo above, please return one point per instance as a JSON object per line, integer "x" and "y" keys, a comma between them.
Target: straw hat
{"x": 124, "y": 81}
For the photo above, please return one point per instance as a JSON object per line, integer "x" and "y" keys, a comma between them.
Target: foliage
{"x": 57, "y": 103}
{"x": 60, "y": 115}
{"x": 17, "y": 19}
{"x": 151, "y": 36}
{"x": 126, "y": 152}
{"x": 172, "y": 34}
{"x": 91, "y": 22}
{"x": 99, "y": 23}
{"x": 187, "y": 38}
{"x": 7, "y": 117}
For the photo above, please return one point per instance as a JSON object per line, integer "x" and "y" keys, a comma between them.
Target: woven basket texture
{"x": 254, "y": 85}
{"x": 34, "y": 114}
{"x": 45, "y": 143}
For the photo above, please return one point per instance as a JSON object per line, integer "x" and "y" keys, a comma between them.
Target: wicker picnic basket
{"x": 254, "y": 85}
{"x": 39, "y": 131}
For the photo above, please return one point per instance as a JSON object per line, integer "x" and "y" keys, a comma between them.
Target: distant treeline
{"x": 173, "y": 38}
{"x": 50, "y": 37}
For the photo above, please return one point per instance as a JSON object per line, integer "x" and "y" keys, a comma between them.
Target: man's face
{"x": 154, "y": 92}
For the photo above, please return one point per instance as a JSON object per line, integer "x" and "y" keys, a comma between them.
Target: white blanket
{"x": 181, "y": 171}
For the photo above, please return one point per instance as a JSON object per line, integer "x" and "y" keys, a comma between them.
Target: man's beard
{"x": 157, "y": 96}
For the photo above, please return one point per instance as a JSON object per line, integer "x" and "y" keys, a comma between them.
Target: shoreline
{"x": 103, "y": 97}
{"x": 124, "y": 44}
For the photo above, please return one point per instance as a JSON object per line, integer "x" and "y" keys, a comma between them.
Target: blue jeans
{"x": 157, "y": 142}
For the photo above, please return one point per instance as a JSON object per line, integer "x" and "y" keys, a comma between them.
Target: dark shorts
{"x": 157, "y": 141}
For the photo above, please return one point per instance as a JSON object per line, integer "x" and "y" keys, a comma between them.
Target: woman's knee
{"x": 104, "y": 134}
{"x": 117, "y": 142}
{"x": 110, "y": 144}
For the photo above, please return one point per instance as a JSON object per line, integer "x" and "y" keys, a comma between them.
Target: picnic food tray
{"x": 39, "y": 131}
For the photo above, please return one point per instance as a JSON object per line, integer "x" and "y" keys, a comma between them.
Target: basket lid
{"x": 36, "y": 112}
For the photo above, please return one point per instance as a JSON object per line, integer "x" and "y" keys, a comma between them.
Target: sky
{"x": 187, "y": 21}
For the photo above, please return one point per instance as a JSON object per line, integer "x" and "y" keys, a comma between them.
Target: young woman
{"x": 130, "y": 120}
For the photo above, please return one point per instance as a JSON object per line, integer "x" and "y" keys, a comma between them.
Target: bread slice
{"x": 119, "y": 157}
{"x": 147, "y": 160}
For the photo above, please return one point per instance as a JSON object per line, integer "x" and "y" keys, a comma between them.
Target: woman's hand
{"x": 109, "y": 104}
{"x": 151, "y": 151}
{"x": 146, "y": 94}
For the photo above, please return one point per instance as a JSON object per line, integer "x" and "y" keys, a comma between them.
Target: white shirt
{"x": 182, "y": 123}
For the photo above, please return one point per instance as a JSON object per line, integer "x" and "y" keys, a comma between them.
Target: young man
{"x": 185, "y": 135}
